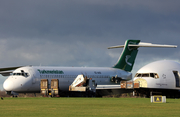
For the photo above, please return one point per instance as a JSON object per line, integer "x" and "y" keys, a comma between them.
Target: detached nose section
{"x": 8, "y": 85}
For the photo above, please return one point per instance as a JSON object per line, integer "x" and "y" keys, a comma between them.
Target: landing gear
{"x": 8, "y": 92}
{"x": 14, "y": 96}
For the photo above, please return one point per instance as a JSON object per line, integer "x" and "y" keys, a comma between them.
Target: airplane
{"x": 160, "y": 78}
{"x": 26, "y": 79}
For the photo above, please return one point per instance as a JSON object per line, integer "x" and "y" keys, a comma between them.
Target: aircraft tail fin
{"x": 128, "y": 56}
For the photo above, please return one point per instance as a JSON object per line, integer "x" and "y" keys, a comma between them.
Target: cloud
{"x": 45, "y": 19}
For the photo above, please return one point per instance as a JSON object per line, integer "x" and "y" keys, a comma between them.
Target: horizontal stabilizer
{"x": 141, "y": 44}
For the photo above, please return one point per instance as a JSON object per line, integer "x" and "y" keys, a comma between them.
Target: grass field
{"x": 66, "y": 107}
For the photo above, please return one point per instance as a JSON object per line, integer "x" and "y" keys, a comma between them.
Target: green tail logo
{"x": 128, "y": 56}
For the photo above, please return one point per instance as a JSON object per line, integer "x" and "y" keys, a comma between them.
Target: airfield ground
{"x": 55, "y": 107}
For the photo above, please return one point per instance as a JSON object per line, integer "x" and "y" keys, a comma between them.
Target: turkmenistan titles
{"x": 50, "y": 71}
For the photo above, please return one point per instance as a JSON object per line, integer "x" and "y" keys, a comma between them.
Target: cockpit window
{"x": 156, "y": 75}
{"x": 152, "y": 75}
{"x": 21, "y": 74}
{"x": 145, "y": 75}
{"x": 139, "y": 75}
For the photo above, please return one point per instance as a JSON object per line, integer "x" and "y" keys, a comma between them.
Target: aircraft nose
{"x": 8, "y": 85}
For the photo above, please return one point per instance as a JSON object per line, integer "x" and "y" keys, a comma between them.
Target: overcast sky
{"x": 78, "y": 32}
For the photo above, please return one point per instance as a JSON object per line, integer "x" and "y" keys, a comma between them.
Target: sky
{"x": 78, "y": 32}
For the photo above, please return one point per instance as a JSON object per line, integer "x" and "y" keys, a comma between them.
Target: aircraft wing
{"x": 108, "y": 87}
{"x": 8, "y": 70}
{"x": 142, "y": 44}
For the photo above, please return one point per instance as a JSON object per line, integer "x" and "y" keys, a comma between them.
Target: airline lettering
{"x": 97, "y": 72}
{"x": 50, "y": 71}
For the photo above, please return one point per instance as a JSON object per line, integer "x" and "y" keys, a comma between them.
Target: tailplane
{"x": 128, "y": 56}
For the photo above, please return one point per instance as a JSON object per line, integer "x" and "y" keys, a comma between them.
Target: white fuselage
{"x": 163, "y": 74}
{"x": 27, "y": 79}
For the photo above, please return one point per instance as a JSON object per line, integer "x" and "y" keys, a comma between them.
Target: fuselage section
{"x": 27, "y": 79}
{"x": 163, "y": 74}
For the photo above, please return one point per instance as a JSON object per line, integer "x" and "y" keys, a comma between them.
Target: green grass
{"x": 42, "y": 107}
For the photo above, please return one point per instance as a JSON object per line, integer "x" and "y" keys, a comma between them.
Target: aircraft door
{"x": 177, "y": 78}
{"x": 32, "y": 76}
